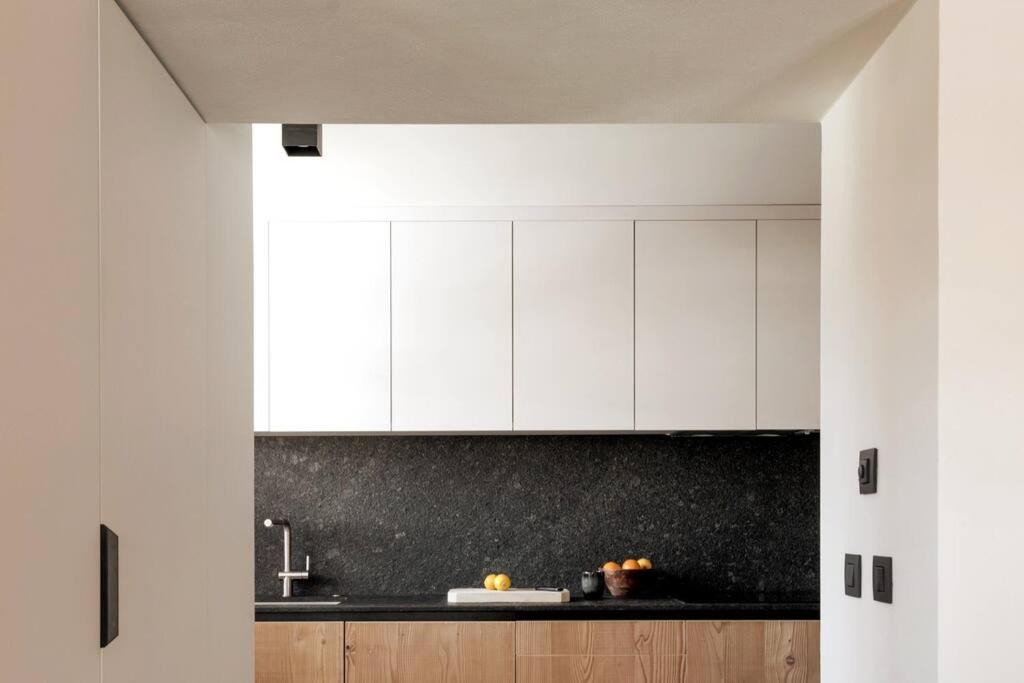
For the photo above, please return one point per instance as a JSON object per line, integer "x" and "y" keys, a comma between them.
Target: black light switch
{"x": 881, "y": 578}
{"x": 851, "y": 574}
{"x": 867, "y": 471}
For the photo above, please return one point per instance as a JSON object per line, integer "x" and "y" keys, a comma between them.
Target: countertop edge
{"x": 677, "y": 612}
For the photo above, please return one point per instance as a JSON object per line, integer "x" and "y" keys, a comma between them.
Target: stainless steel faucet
{"x": 287, "y": 575}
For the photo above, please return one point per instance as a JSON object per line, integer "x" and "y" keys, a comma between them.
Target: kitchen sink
{"x": 301, "y": 602}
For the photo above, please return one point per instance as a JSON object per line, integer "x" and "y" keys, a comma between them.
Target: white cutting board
{"x": 522, "y": 595}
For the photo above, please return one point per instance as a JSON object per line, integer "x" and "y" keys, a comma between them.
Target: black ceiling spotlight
{"x": 302, "y": 139}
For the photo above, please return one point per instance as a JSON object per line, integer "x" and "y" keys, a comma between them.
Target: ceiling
{"x": 513, "y": 61}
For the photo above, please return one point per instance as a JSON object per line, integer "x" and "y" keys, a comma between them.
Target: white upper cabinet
{"x": 329, "y": 327}
{"x": 452, "y": 325}
{"x": 555, "y": 325}
{"x": 573, "y": 325}
{"x": 695, "y": 325}
{"x": 788, "y": 324}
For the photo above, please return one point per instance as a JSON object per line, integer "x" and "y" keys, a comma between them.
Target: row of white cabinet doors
{"x": 564, "y": 325}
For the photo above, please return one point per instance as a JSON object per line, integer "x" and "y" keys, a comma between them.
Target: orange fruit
{"x": 502, "y": 582}
{"x": 644, "y": 563}
{"x": 489, "y": 581}
{"x": 611, "y": 567}
{"x": 631, "y": 564}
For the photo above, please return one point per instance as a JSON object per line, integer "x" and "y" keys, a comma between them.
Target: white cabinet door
{"x": 788, "y": 324}
{"x": 452, "y": 326}
{"x": 695, "y": 326}
{"x": 329, "y": 321}
{"x": 573, "y": 325}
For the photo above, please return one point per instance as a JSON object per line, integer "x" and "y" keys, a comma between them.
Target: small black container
{"x": 593, "y": 585}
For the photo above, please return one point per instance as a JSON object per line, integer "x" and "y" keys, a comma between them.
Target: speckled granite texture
{"x": 728, "y": 517}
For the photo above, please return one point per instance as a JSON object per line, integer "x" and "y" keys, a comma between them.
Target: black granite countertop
{"x": 437, "y": 608}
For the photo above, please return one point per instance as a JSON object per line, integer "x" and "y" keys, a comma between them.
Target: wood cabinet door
{"x": 788, "y": 324}
{"x": 600, "y": 652}
{"x": 330, "y": 327}
{"x": 451, "y": 297}
{"x": 430, "y": 652}
{"x": 299, "y": 652}
{"x": 695, "y": 325}
{"x": 752, "y": 652}
{"x": 573, "y": 325}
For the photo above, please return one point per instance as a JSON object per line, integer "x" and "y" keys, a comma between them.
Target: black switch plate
{"x": 851, "y": 575}
{"x": 881, "y": 578}
{"x": 867, "y": 471}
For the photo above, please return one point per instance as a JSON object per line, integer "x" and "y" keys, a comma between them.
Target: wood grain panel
{"x": 793, "y": 651}
{"x": 745, "y": 651}
{"x": 299, "y": 652}
{"x": 638, "y": 638}
{"x": 752, "y": 652}
{"x": 600, "y": 669}
{"x": 706, "y": 651}
{"x": 428, "y": 652}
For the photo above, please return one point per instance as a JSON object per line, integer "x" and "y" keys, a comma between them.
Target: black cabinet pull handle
{"x": 108, "y": 586}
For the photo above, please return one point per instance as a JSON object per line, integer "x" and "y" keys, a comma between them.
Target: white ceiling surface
{"x": 513, "y": 61}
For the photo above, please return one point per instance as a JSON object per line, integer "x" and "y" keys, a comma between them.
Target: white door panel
{"x": 452, "y": 325}
{"x": 573, "y": 325}
{"x": 788, "y": 324}
{"x": 329, "y": 327}
{"x": 695, "y": 325}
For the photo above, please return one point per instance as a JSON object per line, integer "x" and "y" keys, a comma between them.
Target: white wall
{"x": 49, "y": 339}
{"x": 176, "y": 454}
{"x": 541, "y": 165}
{"x": 981, "y": 340}
{"x": 879, "y": 357}
{"x": 523, "y": 165}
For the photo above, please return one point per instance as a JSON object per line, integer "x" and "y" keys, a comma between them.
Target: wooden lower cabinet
{"x": 600, "y": 668}
{"x": 299, "y": 652}
{"x": 430, "y": 652}
{"x": 539, "y": 652}
{"x": 599, "y": 651}
{"x": 667, "y": 652}
{"x": 753, "y": 652}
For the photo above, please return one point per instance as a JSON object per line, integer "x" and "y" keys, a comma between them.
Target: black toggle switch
{"x": 881, "y": 578}
{"x": 867, "y": 471}
{"x": 851, "y": 574}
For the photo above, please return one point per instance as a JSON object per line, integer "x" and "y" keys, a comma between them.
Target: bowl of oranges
{"x": 629, "y": 579}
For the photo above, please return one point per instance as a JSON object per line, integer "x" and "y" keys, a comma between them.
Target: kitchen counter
{"x": 437, "y": 608}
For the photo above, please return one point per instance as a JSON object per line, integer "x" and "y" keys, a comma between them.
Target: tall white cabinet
{"x": 126, "y": 364}
{"x": 788, "y": 324}
{"x": 329, "y": 326}
{"x": 573, "y": 325}
{"x": 695, "y": 325}
{"x": 451, "y": 344}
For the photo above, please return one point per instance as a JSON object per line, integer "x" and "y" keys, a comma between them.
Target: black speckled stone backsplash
{"x": 721, "y": 517}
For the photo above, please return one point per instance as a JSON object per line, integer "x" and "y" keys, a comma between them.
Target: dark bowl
{"x": 627, "y": 583}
